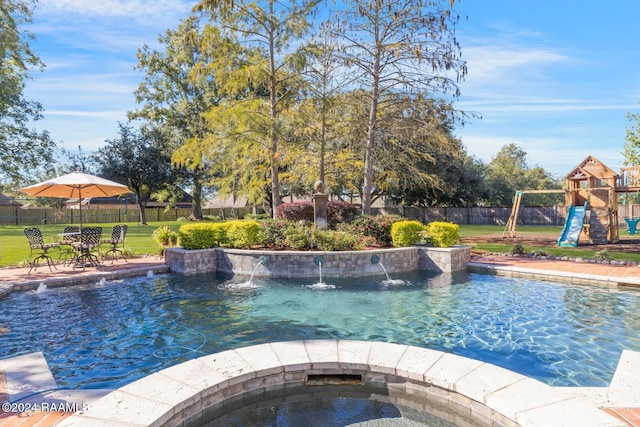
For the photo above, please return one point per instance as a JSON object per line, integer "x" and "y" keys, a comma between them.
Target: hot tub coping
{"x": 178, "y": 395}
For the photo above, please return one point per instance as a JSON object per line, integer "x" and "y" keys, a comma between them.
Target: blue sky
{"x": 556, "y": 78}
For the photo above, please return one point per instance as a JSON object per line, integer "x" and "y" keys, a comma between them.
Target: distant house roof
{"x": 219, "y": 202}
{"x": 128, "y": 199}
{"x": 8, "y": 201}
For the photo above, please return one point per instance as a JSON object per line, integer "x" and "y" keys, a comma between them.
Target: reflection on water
{"x": 108, "y": 334}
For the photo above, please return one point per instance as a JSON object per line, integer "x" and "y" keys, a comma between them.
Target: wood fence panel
{"x": 528, "y": 215}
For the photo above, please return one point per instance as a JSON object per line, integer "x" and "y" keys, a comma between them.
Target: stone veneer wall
{"x": 444, "y": 260}
{"x": 291, "y": 264}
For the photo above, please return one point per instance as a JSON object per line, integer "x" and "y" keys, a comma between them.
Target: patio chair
{"x": 36, "y": 243}
{"x": 70, "y": 235}
{"x": 118, "y": 233}
{"x": 90, "y": 239}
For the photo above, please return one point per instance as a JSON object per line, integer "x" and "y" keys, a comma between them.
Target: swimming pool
{"x": 109, "y": 334}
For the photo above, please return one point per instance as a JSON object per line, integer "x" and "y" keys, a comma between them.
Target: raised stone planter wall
{"x": 190, "y": 262}
{"x": 444, "y": 260}
{"x": 291, "y": 264}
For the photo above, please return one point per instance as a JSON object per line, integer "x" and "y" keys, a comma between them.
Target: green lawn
{"x": 14, "y": 248}
{"x": 552, "y": 232}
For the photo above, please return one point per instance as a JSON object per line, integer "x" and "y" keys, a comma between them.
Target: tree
{"x": 139, "y": 158}
{"x": 271, "y": 27}
{"x": 631, "y": 151}
{"x": 508, "y": 171}
{"x": 325, "y": 78}
{"x": 22, "y": 148}
{"x": 175, "y": 98}
{"x": 398, "y": 46}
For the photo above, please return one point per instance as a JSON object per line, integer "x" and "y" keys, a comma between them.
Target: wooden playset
{"x": 591, "y": 196}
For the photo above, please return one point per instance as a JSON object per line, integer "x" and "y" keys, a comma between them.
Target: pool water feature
{"x": 107, "y": 335}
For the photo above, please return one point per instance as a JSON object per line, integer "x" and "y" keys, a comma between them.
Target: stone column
{"x": 320, "y": 206}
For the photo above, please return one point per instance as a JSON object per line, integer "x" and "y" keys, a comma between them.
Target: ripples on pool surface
{"x": 107, "y": 335}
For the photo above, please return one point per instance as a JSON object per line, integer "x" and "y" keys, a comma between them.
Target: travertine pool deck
{"x": 482, "y": 391}
{"x": 19, "y": 279}
{"x": 576, "y": 272}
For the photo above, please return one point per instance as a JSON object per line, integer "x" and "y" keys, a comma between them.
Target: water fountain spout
{"x": 261, "y": 260}
{"x": 319, "y": 260}
{"x": 385, "y": 270}
{"x": 375, "y": 259}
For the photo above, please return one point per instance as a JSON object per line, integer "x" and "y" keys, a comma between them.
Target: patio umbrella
{"x": 76, "y": 185}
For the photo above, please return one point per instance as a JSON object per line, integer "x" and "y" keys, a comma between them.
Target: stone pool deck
{"x": 179, "y": 392}
{"x": 19, "y": 279}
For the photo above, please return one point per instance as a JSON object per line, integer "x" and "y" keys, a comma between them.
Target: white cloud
{"x": 118, "y": 8}
{"x": 112, "y": 115}
{"x": 491, "y": 62}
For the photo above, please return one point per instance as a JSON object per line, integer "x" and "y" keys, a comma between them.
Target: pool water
{"x": 106, "y": 335}
{"x": 335, "y": 406}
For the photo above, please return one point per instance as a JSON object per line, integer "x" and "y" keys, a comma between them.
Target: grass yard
{"x": 533, "y": 238}
{"x": 14, "y": 247}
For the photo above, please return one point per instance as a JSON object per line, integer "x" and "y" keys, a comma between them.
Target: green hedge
{"x": 243, "y": 233}
{"x": 443, "y": 234}
{"x": 237, "y": 234}
{"x": 331, "y": 240}
{"x": 406, "y": 233}
{"x": 201, "y": 235}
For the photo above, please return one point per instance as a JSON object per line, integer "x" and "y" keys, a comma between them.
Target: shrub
{"x": 443, "y": 234}
{"x": 272, "y": 231}
{"x": 165, "y": 236}
{"x": 202, "y": 235}
{"x": 406, "y": 233}
{"x": 337, "y": 212}
{"x": 377, "y": 227}
{"x": 340, "y": 213}
{"x": 297, "y": 236}
{"x": 296, "y": 211}
{"x": 332, "y": 240}
{"x": 517, "y": 249}
{"x": 602, "y": 255}
{"x": 243, "y": 233}
{"x": 539, "y": 253}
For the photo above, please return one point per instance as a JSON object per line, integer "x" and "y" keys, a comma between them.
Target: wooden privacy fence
{"x": 34, "y": 216}
{"x": 529, "y": 215}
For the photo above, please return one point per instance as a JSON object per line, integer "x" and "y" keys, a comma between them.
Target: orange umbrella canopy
{"x": 76, "y": 185}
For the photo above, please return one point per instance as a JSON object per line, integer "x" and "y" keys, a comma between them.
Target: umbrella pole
{"x": 80, "y": 205}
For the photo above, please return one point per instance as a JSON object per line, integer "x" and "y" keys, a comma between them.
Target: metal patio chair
{"x": 70, "y": 235}
{"x": 118, "y": 233}
{"x": 90, "y": 239}
{"x": 36, "y": 243}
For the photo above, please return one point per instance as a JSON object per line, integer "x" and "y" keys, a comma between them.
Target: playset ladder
{"x": 510, "y": 229}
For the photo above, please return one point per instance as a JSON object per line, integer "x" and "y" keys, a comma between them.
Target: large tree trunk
{"x": 273, "y": 131}
{"x": 141, "y": 209}
{"x": 275, "y": 182}
{"x": 196, "y": 208}
{"x": 369, "y": 154}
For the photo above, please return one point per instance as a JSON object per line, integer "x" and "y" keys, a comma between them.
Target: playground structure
{"x": 591, "y": 196}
